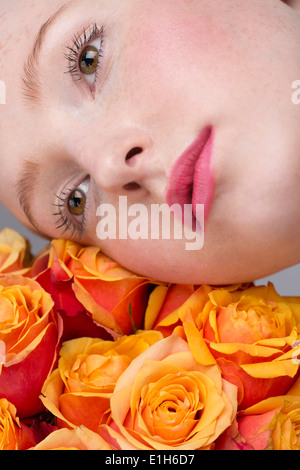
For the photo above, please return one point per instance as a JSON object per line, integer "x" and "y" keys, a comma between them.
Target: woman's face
{"x": 110, "y": 98}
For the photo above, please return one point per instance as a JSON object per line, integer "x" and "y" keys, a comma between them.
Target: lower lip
{"x": 192, "y": 180}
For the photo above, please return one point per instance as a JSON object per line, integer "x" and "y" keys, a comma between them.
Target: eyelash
{"x": 64, "y": 221}
{"x": 79, "y": 43}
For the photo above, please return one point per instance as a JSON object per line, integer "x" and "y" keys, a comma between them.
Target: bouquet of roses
{"x": 95, "y": 357}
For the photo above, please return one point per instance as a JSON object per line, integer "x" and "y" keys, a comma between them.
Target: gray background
{"x": 286, "y": 282}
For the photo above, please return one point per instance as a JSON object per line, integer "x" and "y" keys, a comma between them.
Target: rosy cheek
{"x": 176, "y": 43}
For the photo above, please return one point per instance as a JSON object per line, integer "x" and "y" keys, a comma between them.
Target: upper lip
{"x": 182, "y": 181}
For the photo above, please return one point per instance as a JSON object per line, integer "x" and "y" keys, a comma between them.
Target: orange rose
{"x": 14, "y": 251}
{"x": 165, "y": 400}
{"x": 13, "y": 434}
{"x": 251, "y": 334}
{"x": 167, "y": 304}
{"x": 79, "y": 391}
{"x": 79, "y": 438}
{"x": 85, "y": 284}
{"x": 164, "y": 304}
{"x": 272, "y": 424}
{"x": 29, "y": 335}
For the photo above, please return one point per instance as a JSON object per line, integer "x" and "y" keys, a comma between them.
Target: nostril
{"x": 132, "y": 186}
{"x": 132, "y": 153}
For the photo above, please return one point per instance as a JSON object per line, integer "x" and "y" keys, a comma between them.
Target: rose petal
{"x": 80, "y": 438}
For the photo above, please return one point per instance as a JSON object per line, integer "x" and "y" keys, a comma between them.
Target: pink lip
{"x": 191, "y": 180}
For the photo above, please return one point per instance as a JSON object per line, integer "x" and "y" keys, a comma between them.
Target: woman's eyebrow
{"x": 31, "y": 83}
{"x": 25, "y": 186}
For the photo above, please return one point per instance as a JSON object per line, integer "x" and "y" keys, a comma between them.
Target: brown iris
{"x": 76, "y": 202}
{"x": 89, "y": 60}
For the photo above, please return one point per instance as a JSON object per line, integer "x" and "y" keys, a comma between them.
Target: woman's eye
{"x": 77, "y": 202}
{"x": 85, "y": 54}
{"x": 77, "y": 199}
{"x": 71, "y": 209}
{"x": 89, "y": 61}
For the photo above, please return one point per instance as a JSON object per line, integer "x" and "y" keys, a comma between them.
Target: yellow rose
{"x": 79, "y": 391}
{"x": 29, "y": 336}
{"x": 82, "y": 278}
{"x": 167, "y": 304}
{"x": 272, "y": 424}
{"x": 13, "y": 434}
{"x": 165, "y": 400}
{"x": 285, "y": 433}
{"x": 79, "y": 438}
{"x": 250, "y": 333}
{"x": 14, "y": 251}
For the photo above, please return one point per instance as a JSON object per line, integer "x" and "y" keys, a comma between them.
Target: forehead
{"x": 20, "y": 21}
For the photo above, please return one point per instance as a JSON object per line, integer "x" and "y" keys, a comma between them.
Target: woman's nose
{"x": 121, "y": 163}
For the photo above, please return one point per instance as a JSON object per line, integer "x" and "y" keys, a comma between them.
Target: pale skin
{"x": 167, "y": 69}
